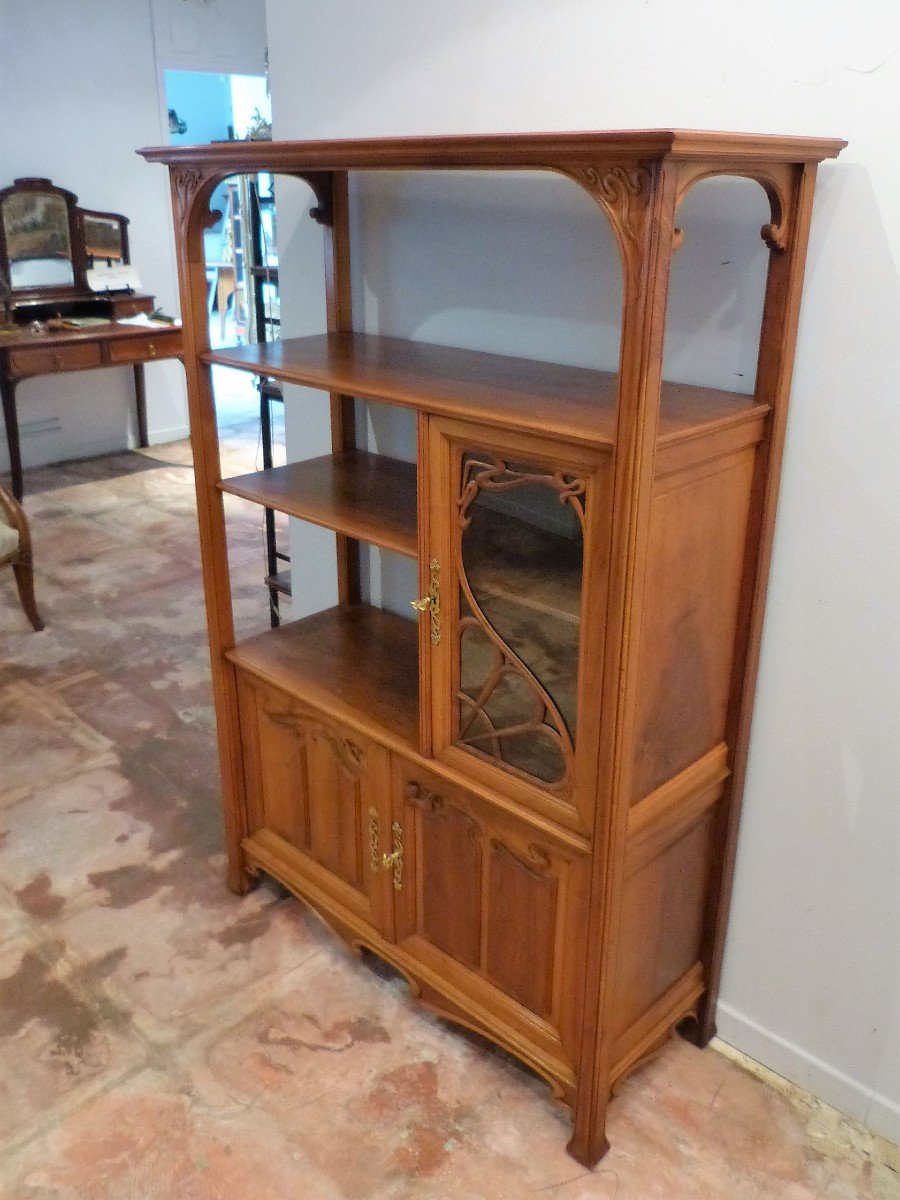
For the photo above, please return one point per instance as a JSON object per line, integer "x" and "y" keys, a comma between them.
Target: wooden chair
{"x": 15, "y": 551}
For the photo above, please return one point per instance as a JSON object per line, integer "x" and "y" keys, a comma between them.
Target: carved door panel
{"x": 517, "y": 573}
{"x": 493, "y": 906}
{"x": 325, "y": 790}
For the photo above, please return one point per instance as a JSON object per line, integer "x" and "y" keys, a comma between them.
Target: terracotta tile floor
{"x": 161, "y": 1039}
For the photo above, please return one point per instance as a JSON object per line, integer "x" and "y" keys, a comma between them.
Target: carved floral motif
{"x": 351, "y": 758}
{"x": 623, "y": 191}
{"x": 185, "y": 182}
{"x": 537, "y": 860}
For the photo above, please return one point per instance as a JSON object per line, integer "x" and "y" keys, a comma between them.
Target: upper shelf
{"x": 512, "y": 151}
{"x": 496, "y": 389}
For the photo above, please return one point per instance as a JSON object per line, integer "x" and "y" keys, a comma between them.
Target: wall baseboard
{"x": 176, "y": 434}
{"x": 95, "y": 448}
{"x": 863, "y": 1104}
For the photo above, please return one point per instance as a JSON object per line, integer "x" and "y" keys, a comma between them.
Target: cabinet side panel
{"x": 696, "y": 554}
{"x": 521, "y": 933}
{"x": 663, "y": 922}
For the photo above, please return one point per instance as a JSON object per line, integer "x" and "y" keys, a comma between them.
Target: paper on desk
{"x": 113, "y": 279}
{"x": 146, "y": 319}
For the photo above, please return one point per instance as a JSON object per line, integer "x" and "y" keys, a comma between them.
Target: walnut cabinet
{"x": 525, "y": 794}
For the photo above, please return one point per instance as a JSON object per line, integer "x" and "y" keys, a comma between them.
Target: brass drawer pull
{"x": 151, "y": 350}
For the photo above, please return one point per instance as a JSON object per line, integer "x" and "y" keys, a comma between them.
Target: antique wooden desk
{"x": 24, "y": 355}
{"x": 53, "y": 255}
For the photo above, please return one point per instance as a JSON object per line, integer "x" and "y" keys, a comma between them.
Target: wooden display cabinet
{"x": 526, "y": 799}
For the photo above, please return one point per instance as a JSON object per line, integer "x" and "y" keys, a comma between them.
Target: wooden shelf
{"x": 359, "y": 664}
{"x": 366, "y": 496}
{"x": 497, "y": 389}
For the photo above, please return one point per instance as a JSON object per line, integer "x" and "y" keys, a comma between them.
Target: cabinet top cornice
{"x": 512, "y": 151}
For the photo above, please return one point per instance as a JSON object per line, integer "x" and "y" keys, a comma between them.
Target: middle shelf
{"x": 366, "y": 496}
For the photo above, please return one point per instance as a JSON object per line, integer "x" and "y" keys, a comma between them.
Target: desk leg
{"x": 8, "y": 390}
{"x": 140, "y": 402}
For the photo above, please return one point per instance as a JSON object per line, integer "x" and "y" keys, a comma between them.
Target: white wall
{"x": 812, "y": 980}
{"x": 82, "y": 90}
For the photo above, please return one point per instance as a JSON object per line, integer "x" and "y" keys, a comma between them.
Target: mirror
{"x": 38, "y": 242}
{"x": 103, "y": 238}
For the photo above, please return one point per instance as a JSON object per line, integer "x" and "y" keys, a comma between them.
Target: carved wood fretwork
{"x": 351, "y": 758}
{"x": 494, "y": 475}
{"x": 476, "y": 729}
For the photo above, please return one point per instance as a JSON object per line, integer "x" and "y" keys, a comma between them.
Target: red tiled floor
{"x": 161, "y": 1039}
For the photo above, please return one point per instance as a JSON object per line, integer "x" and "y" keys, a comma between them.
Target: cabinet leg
{"x": 11, "y": 420}
{"x": 140, "y": 404}
{"x": 239, "y": 878}
{"x": 588, "y": 1151}
{"x": 699, "y": 1030}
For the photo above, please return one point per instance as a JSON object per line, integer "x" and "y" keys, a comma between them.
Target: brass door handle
{"x": 392, "y": 862}
{"x": 432, "y": 602}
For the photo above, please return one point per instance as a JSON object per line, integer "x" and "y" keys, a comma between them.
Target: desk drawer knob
{"x": 57, "y": 360}
{"x": 151, "y": 350}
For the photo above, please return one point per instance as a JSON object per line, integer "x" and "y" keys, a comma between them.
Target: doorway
{"x": 205, "y": 106}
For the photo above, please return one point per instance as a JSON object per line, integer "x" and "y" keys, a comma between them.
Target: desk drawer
{"x": 46, "y": 360}
{"x": 144, "y": 349}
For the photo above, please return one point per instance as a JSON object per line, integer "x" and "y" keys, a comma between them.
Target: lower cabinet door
{"x": 492, "y": 906}
{"x": 318, "y": 799}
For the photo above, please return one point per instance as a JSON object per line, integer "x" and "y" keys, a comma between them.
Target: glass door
{"x": 514, "y": 532}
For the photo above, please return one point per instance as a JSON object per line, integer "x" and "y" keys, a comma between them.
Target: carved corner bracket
{"x": 623, "y": 191}
{"x": 776, "y": 180}
{"x": 322, "y": 184}
{"x": 187, "y": 185}
{"x": 190, "y": 184}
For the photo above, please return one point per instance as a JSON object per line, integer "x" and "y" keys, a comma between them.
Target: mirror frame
{"x": 84, "y": 214}
{"x": 46, "y": 295}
